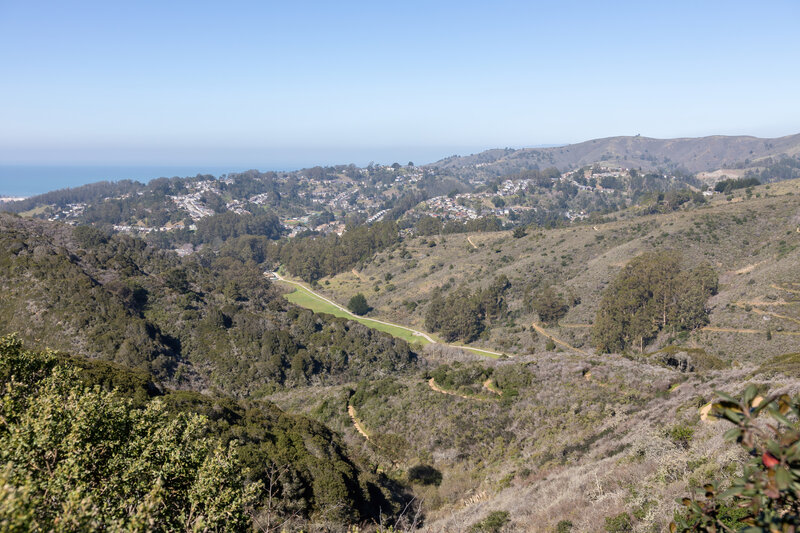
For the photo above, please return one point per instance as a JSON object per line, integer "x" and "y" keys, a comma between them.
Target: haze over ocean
{"x": 33, "y": 179}
{"x": 30, "y": 180}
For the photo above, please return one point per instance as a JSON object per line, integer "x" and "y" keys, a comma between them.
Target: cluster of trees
{"x": 398, "y": 206}
{"x": 666, "y": 202}
{"x": 91, "y": 446}
{"x": 146, "y": 203}
{"x": 464, "y": 378}
{"x": 93, "y": 192}
{"x": 785, "y": 169}
{"x": 227, "y": 225}
{"x": 550, "y": 305}
{"x": 151, "y": 209}
{"x": 652, "y": 293}
{"x": 726, "y": 186}
{"x": 314, "y": 257}
{"x": 463, "y": 315}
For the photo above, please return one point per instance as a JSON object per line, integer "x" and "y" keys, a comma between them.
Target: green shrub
{"x": 85, "y": 459}
{"x": 358, "y": 304}
{"x": 493, "y": 523}
{"x": 549, "y": 305}
{"x": 424, "y": 475}
{"x": 681, "y": 435}
{"x": 619, "y": 524}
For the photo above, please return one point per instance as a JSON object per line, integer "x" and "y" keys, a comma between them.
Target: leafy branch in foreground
{"x": 82, "y": 459}
{"x": 767, "y": 494}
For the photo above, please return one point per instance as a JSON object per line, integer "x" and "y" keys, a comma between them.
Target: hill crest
{"x": 693, "y": 154}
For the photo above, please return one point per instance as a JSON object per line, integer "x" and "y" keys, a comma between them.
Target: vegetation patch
{"x": 302, "y": 297}
{"x": 653, "y": 293}
{"x": 688, "y": 359}
{"x": 788, "y": 364}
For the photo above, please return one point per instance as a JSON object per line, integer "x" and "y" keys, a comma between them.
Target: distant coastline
{"x": 21, "y": 181}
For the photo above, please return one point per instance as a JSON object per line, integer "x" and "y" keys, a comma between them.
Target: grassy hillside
{"x": 750, "y": 239}
{"x": 305, "y": 298}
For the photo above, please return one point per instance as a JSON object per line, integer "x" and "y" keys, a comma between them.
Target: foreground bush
{"x": 84, "y": 459}
{"x": 766, "y": 497}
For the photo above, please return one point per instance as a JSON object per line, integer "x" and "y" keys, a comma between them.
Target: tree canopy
{"x": 652, "y": 293}
{"x": 358, "y": 304}
{"x": 79, "y": 458}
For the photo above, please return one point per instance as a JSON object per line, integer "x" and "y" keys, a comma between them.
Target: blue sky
{"x": 271, "y": 84}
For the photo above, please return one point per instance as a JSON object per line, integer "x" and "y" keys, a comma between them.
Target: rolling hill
{"x": 453, "y": 437}
{"x": 750, "y": 238}
{"x": 700, "y": 154}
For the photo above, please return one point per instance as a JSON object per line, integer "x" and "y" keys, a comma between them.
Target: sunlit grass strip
{"x": 303, "y": 298}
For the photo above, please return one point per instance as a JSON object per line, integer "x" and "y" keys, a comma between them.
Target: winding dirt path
{"x": 749, "y": 268}
{"x": 357, "y": 274}
{"x": 432, "y": 384}
{"x": 761, "y": 303}
{"x": 356, "y": 423}
{"x": 776, "y": 315}
{"x": 488, "y": 385}
{"x": 472, "y": 243}
{"x": 588, "y": 377}
{"x": 363, "y": 432}
{"x": 749, "y": 331}
{"x": 761, "y": 312}
{"x": 793, "y": 291}
{"x": 730, "y": 330}
{"x": 541, "y": 330}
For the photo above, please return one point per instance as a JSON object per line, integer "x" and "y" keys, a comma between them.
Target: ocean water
{"x": 23, "y": 180}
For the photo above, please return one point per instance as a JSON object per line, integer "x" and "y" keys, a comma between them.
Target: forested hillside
{"x": 209, "y": 320}
{"x": 89, "y": 445}
{"x": 616, "y": 333}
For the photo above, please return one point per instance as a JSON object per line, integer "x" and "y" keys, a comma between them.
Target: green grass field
{"x": 304, "y": 298}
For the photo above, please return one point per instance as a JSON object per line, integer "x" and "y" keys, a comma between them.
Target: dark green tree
{"x": 358, "y": 304}
{"x": 651, "y": 294}
{"x": 549, "y": 305}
